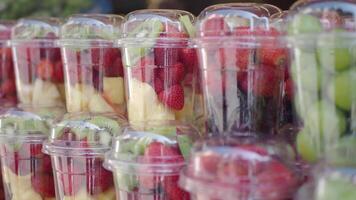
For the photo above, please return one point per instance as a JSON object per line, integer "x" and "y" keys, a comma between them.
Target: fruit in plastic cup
{"x": 147, "y": 158}
{"x": 93, "y": 65}
{"x": 161, "y": 66}
{"x": 77, "y": 147}
{"x": 324, "y": 73}
{"x": 38, "y": 63}
{"x": 240, "y": 168}
{"x": 7, "y": 74}
{"x": 243, "y": 62}
{"x": 26, "y": 171}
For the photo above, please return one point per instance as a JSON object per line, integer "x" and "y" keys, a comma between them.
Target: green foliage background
{"x": 14, "y": 9}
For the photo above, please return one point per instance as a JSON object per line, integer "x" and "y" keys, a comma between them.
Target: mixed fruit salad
{"x": 324, "y": 73}
{"x": 161, "y": 66}
{"x": 147, "y": 158}
{"x": 7, "y": 74}
{"x": 245, "y": 69}
{"x": 26, "y": 171}
{"x": 38, "y": 63}
{"x": 240, "y": 168}
{"x": 95, "y": 78}
{"x": 77, "y": 146}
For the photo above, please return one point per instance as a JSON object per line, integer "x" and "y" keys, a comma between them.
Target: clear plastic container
{"x": 93, "y": 65}
{"x": 324, "y": 73}
{"x": 147, "y": 158}
{"x": 161, "y": 66}
{"x": 26, "y": 171}
{"x": 243, "y": 168}
{"x": 7, "y": 74}
{"x": 38, "y": 63}
{"x": 243, "y": 61}
{"x": 77, "y": 146}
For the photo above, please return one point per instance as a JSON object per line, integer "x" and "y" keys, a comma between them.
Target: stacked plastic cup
{"x": 322, "y": 34}
{"x": 243, "y": 61}
{"x": 147, "y": 158}
{"x": 38, "y": 63}
{"x": 241, "y": 168}
{"x": 26, "y": 171}
{"x": 161, "y": 66}
{"x": 94, "y": 72}
{"x": 77, "y": 146}
{"x": 7, "y": 74}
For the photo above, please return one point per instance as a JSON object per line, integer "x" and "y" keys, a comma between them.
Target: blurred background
{"x": 14, "y": 9}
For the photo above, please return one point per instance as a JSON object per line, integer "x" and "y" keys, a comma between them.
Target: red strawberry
{"x": 43, "y": 183}
{"x": 289, "y": 89}
{"x": 173, "y": 191}
{"x": 110, "y": 55}
{"x": 173, "y": 97}
{"x": 45, "y": 69}
{"x": 116, "y": 69}
{"x": 71, "y": 183}
{"x": 158, "y": 85}
{"x": 215, "y": 26}
{"x": 157, "y": 149}
{"x": 8, "y": 87}
{"x": 98, "y": 179}
{"x": 189, "y": 58}
{"x": 46, "y": 165}
{"x": 273, "y": 56}
{"x": 172, "y": 75}
{"x": 166, "y": 56}
{"x": 209, "y": 163}
{"x": 58, "y": 75}
{"x": 96, "y": 56}
{"x": 266, "y": 80}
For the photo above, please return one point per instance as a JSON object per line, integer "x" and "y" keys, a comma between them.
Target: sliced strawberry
{"x": 265, "y": 80}
{"x": 43, "y": 184}
{"x": 215, "y": 26}
{"x": 116, "y": 69}
{"x": 98, "y": 179}
{"x": 110, "y": 55}
{"x": 173, "y": 191}
{"x": 173, "y": 97}
{"x": 158, "y": 85}
{"x": 45, "y": 69}
{"x": 189, "y": 58}
{"x": 172, "y": 75}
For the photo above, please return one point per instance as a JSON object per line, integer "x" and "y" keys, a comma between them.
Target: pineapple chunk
{"x": 45, "y": 94}
{"x": 24, "y": 93}
{"x": 114, "y": 89}
{"x": 108, "y": 195}
{"x": 98, "y": 104}
{"x": 74, "y": 98}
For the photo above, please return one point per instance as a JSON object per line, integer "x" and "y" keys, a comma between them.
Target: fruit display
{"x": 7, "y": 74}
{"x": 38, "y": 63}
{"x": 147, "y": 158}
{"x": 92, "y": 60}
{"x": 77, "y": 146}
{"x": 324, "y": 74}
{"x": 243, "y": 61}
{"x": 241, "y": 168}
{"x": 161, "y": 66}
{"x": 26, "y": 171}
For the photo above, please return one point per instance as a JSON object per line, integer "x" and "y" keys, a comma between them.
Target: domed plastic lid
{"x": 271, "y": 9}
{"x": 5, "y": 30}
{"x": 83, "y": 134}
{"x": 241, "y": 168}
{"x": 28, "y": 29}
{"x": 152, "y": 147}
{"x": 88, "y": 28}
{"x": 230, "y": 19}
{"x": 315, "y": 16}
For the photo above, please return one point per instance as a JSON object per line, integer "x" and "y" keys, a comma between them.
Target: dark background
{"x": 14, "y": 9}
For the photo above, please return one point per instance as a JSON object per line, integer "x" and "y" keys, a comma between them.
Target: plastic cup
{"x": 38, "y": 63}
{"x": 161, "y": 66}
{"x": 243, "y": 61}
{"x": 7, "y": 74}
{"x": 324, "y": 73}
{"x": 93, "y": 66}
{"x": 240, "y": 168}
{"x": 77, "y": 146}
{"x": 147, "y": 158}
{"x": 26, "y": 171}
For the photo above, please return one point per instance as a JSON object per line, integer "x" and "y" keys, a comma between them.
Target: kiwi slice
{"x": 22, "y": 125}
{"x": 149, "y": 29}
{"x": 185, "y": 20}
{"x": 167, "y": 131}
{"x": 127, "y": 182}
{"x": 185, "y": 144}
{"x": 108, "y": 124}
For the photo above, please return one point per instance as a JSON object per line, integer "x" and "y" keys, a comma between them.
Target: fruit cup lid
{"x": 91, "y": 29}
{"x": 172, "y": 27}
{"x": 34, "y": 30}
{"x": 5, "y": 31}
{"x": 152, "y": 147}
{"x": 271, "y": 9}
{"x": 241, "y": 167}
{"x": 83, "y": 134}
{"x": 313, "y": 17}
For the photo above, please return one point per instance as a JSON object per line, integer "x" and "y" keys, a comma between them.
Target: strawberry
{"x": 172, "y": 75}
{"x": 215, "y": 26}
{"x": 110, "y": 55}
{"x": 289, "y": 89}
{"x": 96, "y": 57}
{"x": 43, "y": 183}
{"x": 45, "y": 69}
{"x": 58, "y": 75}
{"x": 144, "y": 69}
{"x": 18, "y": 166}
{"x": 172, "y": 97}
{"x": 116, "y": 69}
{"x": 71, "y": 183}
{"x": 48, "y": 53}
{"x": 173, "y": 191}
{"x": 273, "y": 56}
{"x": 158, "y": 85}
{"x": 266, "y": 80}
{"x": 209, "y": 163}
{"x": 98, "y": 179}
{"x": 8, "y": 87}
{"x": 189, "y": 58}
{"x": 45, "y": 165}
{"x": 166, "y": 56}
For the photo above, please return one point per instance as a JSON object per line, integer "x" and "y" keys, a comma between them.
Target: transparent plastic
{"x": 161, "y": 66}
{"x": 147, "y": 158}
{"x": 38, "y": 63}
{"x": 244, "y": 62}
{"x": 26, "y": 171}
{"x": 7, "y": 74}
{"x": 93, "y": 65}
{"x": 323, "y": 70}
{"x": 240, "y": 168}
{"x": 77, "y": 146}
